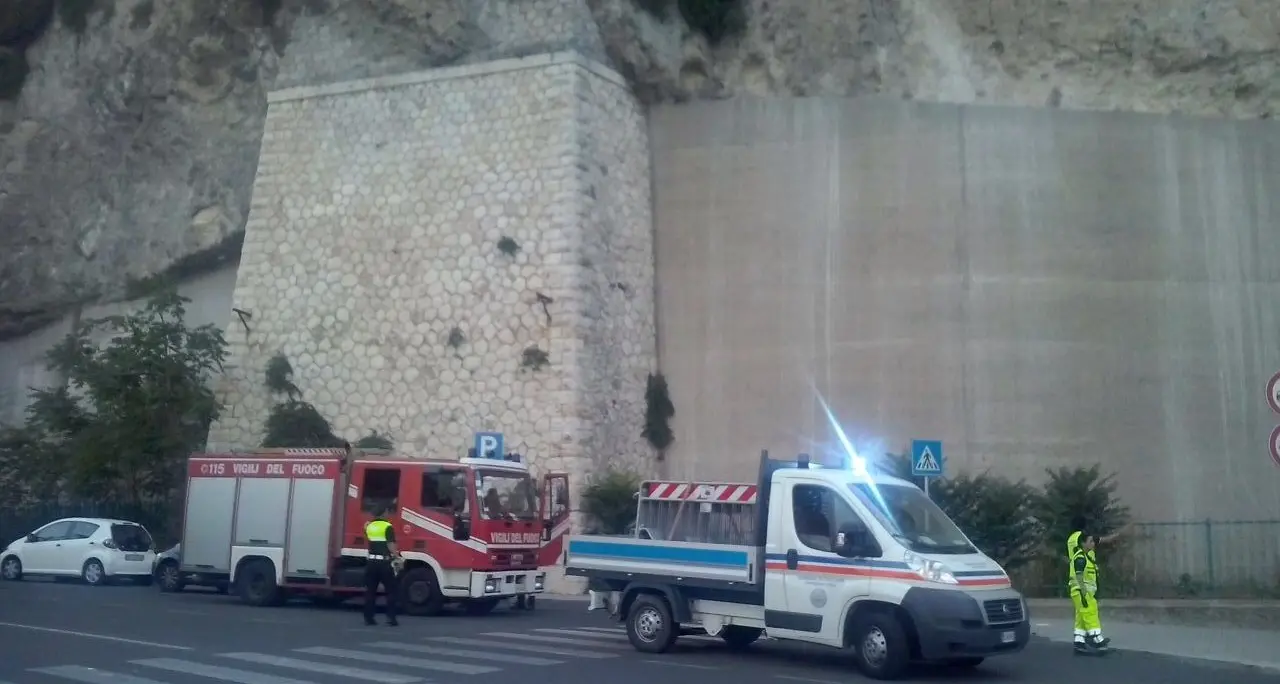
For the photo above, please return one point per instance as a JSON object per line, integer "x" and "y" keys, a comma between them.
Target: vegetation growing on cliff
{"x": 714, "y": 19}
{"x": 658, "y": 412}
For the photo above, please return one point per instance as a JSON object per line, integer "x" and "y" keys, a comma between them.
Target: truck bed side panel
{"x": 717, "y": 562}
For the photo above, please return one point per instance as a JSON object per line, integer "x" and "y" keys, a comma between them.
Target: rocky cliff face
{"x": 130, "y": 148}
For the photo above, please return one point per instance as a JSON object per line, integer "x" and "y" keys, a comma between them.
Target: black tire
{"x": 881, "y": 645}
{"x": 650, "y": 628}
{"x": 168, "y": 578}
{"x": 256, "y": 584}
{"x": 11, "y": 569}
{"x": 93, "y": 573}
{"x": 420, "y": 592}
{"x": 482, "y": 606}
{"x": 965, "y": 663}
{"x": 739, "y": 637}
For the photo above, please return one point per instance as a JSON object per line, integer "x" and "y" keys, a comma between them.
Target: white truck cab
{"x": 844, "y": 558}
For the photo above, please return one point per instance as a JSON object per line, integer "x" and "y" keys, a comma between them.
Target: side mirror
{"x": 461, "y": 528}
{"x": 853, "y": 541}
{"x": 32, "y": 537}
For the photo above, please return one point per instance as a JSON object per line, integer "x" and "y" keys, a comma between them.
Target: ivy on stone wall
{"x": 293, "y": 422}
{"x": 22, "y": 23}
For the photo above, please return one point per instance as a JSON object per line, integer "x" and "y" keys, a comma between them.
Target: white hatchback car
{"x": 93, "y": 549}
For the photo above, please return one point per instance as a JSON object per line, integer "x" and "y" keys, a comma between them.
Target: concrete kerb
{"x": 1244, "y": 614}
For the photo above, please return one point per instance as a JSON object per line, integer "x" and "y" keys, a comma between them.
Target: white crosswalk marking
{"x": 527, "y": 648}
{"x": 226, "y": 674}
{"x": 420, "y": 663}
{"x": 505, "y": 658}
{"x": 565, "y": 641}
{"x": 573, "y": 633}
{"x": 378, "y": 676}
{"x": 90, "y": 675}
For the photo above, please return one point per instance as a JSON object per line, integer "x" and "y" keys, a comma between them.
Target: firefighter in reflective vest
{"x": 380, "y": 568}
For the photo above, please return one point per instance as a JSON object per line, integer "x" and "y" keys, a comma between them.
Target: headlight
{"x": 491, "y": 585}
{"x": 539, "y": 582}
{"x": 930, "y": 570}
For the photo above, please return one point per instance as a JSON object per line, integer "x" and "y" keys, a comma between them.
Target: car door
{"x": 818, "y": 583}
{"x": 74, "y": 549}
{"x": 40, "y": 554}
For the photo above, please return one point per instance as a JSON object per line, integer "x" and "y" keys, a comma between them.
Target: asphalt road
{"x": 72, "y": 634}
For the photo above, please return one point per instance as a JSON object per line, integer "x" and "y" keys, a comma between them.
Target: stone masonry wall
{"x": 374, "y": 233}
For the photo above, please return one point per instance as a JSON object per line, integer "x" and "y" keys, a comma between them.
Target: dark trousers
{"x": 375, "y": 573}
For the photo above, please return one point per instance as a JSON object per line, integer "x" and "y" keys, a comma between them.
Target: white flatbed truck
{"x": 843, "y": 558}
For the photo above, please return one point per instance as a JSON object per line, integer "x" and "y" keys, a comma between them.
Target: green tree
{"x": 132, "y": 408}
{"x": 996, "y": 513}
{"x": 609, "y": 501}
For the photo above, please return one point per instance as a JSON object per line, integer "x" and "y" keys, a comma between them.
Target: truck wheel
{"x": 881, "y": 645}
{"x": 420, "y": 592}
{"x": 482, "y": 606}
{"x": 737, "y": 636}
{"x": 649, "y": 625}
{"x": 256, "y": 584}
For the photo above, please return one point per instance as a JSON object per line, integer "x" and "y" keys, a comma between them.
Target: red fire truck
{"x": 276, "y": 523}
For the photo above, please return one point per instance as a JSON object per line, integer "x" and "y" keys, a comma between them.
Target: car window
{"x": 130, "y": 537}
{"x": 54, "y": 531}
{"x": 82, "y": 530}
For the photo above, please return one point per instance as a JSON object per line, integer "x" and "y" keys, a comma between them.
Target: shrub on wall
{"x": 658, "y": 412}
{"x": 293, "y": 422}
{"x": 996, "y": 513}
{"x": 609, "y": 500}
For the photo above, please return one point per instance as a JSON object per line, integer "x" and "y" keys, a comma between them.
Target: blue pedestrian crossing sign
{"x": 926, "y": 458}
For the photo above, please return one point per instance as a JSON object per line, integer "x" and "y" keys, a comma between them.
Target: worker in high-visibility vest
{"x": 1082, "y": 580}
{"x": 380, "y": 568}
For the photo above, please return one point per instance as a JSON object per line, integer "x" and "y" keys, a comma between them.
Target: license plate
{"x": 1008, "y": 637}
{"x": 133, "y": 556}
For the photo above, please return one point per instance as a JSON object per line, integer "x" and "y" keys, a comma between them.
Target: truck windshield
{"x": 913, "y": 518}
{"x": 506, "y": 496}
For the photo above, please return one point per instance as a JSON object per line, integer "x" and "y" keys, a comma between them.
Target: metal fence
{"x": 1206, "y": 559}
{"x": 162, "y": 519}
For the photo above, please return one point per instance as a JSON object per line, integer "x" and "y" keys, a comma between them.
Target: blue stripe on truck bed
{"x": 659, "y": 554}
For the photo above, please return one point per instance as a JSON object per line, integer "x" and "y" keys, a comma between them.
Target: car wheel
{"x": 11, "y": 569}
{"x": 650, "y": 628}
{"x": 93, "y": 573}
{"x": 881, "y": 646}
{"x": 168, "y": 577}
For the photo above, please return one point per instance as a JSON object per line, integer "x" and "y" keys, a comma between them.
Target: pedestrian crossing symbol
{"x": 926, "y": 458}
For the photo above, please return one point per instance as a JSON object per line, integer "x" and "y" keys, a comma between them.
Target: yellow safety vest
{"x": 1075, "y": 551}
{"x": 376, "y": 530}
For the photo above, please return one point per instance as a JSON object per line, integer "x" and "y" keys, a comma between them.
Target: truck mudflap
{"x": 954, "y": 624}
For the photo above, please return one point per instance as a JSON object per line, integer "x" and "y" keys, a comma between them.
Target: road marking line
{"x": 549, "y": 639}
{"x": 807, "y": 679}
{"x": 671, "y": 664}
{"x": 585, "y": 635}
{"x": 527, "y": 648}
{"x": 89, "y": 635}
{"x": 89, "y": 675}
{"x": 443, "y": 666}
{"x": 605, "y": 630}
{"x": 464, "y": 653}
{"x": 379, "y": 676}
{"x": 226, "y": 674}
